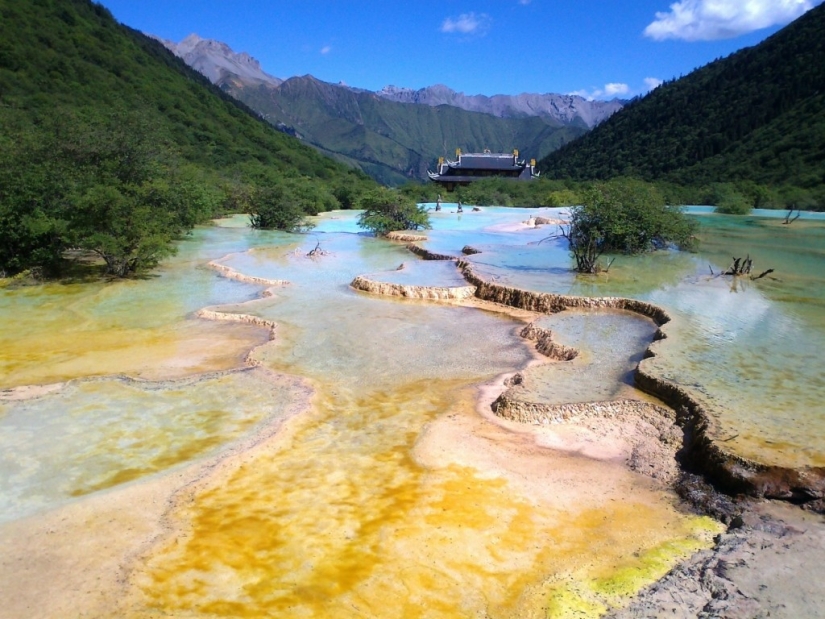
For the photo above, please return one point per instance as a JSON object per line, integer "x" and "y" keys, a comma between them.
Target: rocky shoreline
{"x": 767, "y": 564}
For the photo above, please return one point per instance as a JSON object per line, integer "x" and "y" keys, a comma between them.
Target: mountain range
{"x": 218, "y": 62}
{"x": 395, "y": 134}
{"x": 568, "y": 109}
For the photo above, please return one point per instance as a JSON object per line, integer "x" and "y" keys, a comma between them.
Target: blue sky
{"x": 595, "y": 48}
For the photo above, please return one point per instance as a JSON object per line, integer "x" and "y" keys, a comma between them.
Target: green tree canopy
{"x": 281, "y": 207}
{"x": 386, "y": 210}
{"x": 624, "y": 216}
{"x": 111, "y": 144}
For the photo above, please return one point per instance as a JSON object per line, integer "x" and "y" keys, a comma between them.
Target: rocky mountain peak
{"x": 218, "y": 62}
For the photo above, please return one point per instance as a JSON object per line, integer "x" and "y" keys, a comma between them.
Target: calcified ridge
{"x": 433, "y": 293}
{"x": 426, "y": 254}
{"x": 407, "y": 237}
{"x": 545, "y": 344}
{"x": 231, "y": 273}
{"x": 728, "y": 471}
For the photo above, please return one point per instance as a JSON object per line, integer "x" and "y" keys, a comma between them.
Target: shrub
{"x": 277, "y": 208}
{"x": 729, "y": 200}
{"x": 386, "y": 210}
{"x": 626, "y": 216}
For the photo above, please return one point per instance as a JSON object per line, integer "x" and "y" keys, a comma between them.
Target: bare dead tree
{"x": 317, "y": 251}
{"x": 740, "y": 267}
{"x": 586, "y": 249}
{"x": 788, "y": 219}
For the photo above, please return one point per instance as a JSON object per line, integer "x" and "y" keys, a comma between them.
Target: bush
{"x": 562, "y": 197}
{"x": 131, "y": 228}
{"x": 727, "y": 199}
{"x": 277, "y": 208}
{"x": 626, "y": 216}
{"x": 386, "y": 210}
{"x": 734, "y": 203}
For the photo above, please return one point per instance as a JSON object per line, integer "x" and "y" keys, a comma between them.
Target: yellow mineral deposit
{"x": 335, "y": 518}
{"x": 62, "y": 332}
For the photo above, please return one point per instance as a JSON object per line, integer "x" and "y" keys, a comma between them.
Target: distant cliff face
{"x": 219, "y": 63}
{"x": 567, "y": 109}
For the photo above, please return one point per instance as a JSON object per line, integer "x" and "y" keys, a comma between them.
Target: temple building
{"x": 476, "y": 166}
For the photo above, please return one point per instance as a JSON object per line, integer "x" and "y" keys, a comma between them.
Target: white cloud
{"x": 706, "y": 20}
{"x": 652, "y": 82}
{"x": 610, "y": 91}
{"x": 326, "y": 49}
{"x": 616, "y": 89}
{"x": 467, "y": 23}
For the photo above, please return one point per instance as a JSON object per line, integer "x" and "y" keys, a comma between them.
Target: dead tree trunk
{"x": 788, "y": 219}
{"x": 740, "y": 267}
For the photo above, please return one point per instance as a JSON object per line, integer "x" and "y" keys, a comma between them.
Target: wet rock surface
{"x": 407, "y": 237}
{"x": 767, "y": 564}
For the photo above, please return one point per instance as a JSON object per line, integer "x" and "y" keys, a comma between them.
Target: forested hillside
{"x": 755, "y": 117}
{"x": 109, "y": 143}
{"x": 395, "y": 142}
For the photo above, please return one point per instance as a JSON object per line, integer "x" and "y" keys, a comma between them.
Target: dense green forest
{"x": 750, "y": 126}
{"x": 394, "y": 142}
{"x": 109, "y": 144}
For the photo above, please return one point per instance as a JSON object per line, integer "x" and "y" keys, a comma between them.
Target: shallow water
{"x": 748, "y": 349}
{"x": 346, "y": 512}
{"x": 142, "y": 327}
{"x": 610, "y": 345}
{"x": 94, "y": 435}
{"x": 351, "y": 524}
{"x": 440, "y": 273}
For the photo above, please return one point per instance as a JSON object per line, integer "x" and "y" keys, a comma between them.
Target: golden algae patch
{"x": 58, "y": 332}
{"x": 611, "y": 583}
{"x": 335, "y": 518}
